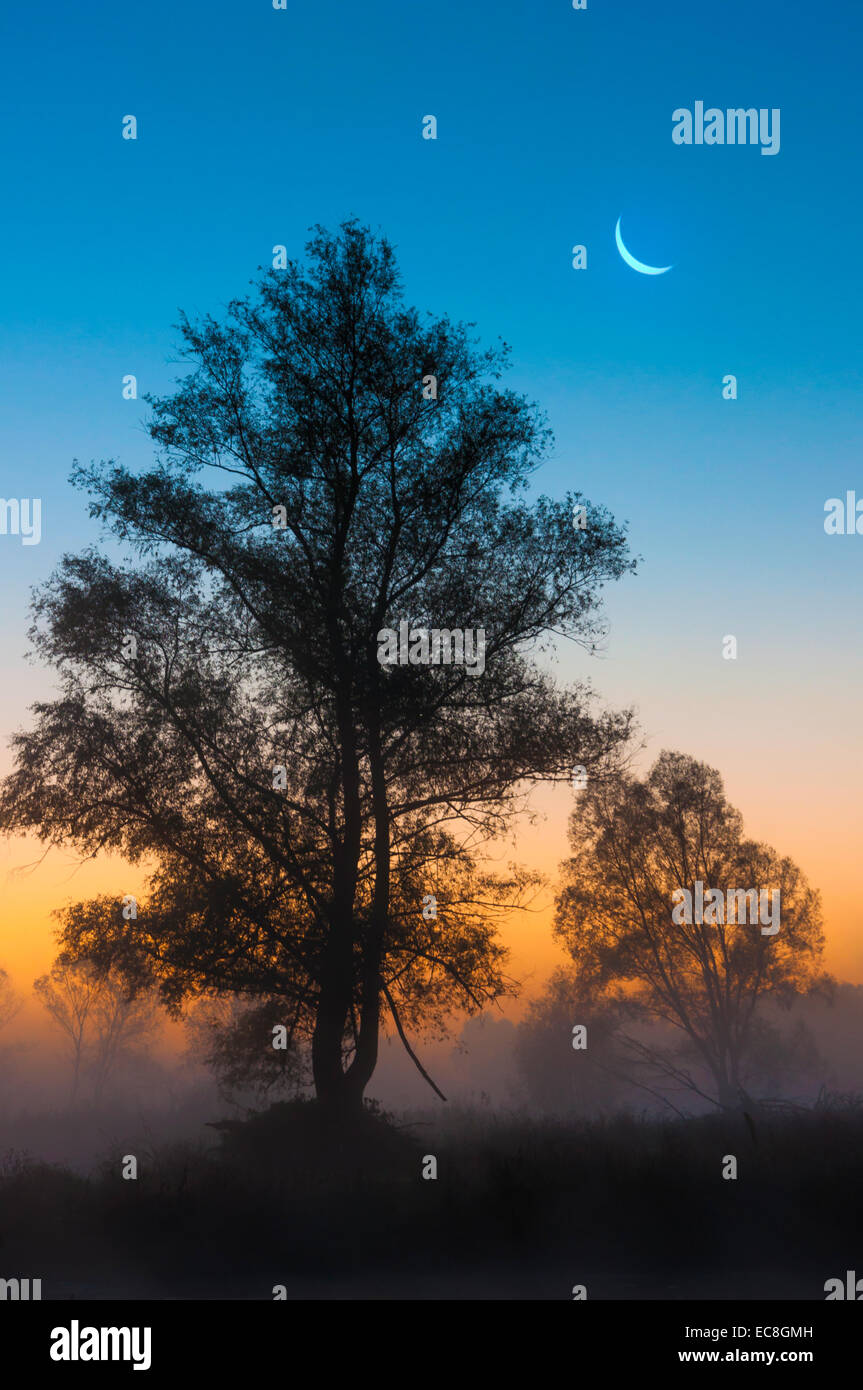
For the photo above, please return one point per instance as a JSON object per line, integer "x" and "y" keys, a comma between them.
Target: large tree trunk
{"x": 334, "y": 1004}
{"x": 333, "y": 1086}
{"x": 365, "y": 1059}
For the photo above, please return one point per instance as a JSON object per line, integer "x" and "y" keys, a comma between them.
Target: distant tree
{"x": 835, "y": 1023}
{"x": 557, "y": 1076}
{"x": 224, "y": 713}
{"x": 122, "y": 1022}
{"x": 233, "y": 1036}
{"x": 67, "y": 992}
{"x": 784, "y": 1054}
{"x": 10, "y": 1000}
{"x": 97, "y": 1015}
{"x": 481, "y": 1060}
{"x": 636, "y": 846}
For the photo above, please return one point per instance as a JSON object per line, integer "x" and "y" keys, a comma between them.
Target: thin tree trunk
{"x": 365, "y": 1059}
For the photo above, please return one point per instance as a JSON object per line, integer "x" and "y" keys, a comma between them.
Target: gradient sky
{"x": 255, "y": 123}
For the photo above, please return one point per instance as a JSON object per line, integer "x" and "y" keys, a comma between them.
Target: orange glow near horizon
{"x": 36, "y": 884}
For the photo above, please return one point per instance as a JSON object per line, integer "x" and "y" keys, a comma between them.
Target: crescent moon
{"x": 630, "y": 260}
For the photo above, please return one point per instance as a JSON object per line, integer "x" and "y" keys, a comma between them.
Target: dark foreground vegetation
{"x": 629, "y": 1207}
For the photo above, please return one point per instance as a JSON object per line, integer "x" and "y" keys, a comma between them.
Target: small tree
{"x": 122, "y": 1021}
{"x": 235, "y": 1038}
{"x": 98, "y": 1015}
{"x": 68, "y": 992}
{"x": 637, "y": 847}
{"x": 557, "y": 1075}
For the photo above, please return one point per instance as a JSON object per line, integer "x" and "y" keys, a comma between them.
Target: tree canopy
{"x": 638, "y": 847}
{"x": 223, "y": 715}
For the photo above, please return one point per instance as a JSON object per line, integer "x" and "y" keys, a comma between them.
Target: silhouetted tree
{"x": 224, "y": 712}
{"x": 637, "y": 845}
{"x": 234, "y": 1037}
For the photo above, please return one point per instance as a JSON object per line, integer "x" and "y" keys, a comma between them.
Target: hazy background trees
{"x": 634, "y": 843}
{"x": 10, "y": 1000}
{"x": 98, "y": 1018}
{"x": 555, "y": 1076}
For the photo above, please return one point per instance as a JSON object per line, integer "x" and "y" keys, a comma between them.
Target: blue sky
{"x": 255, "y": 123}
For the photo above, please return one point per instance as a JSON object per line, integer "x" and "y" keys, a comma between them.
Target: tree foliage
{"x": 306, "y": 496}
{"x": 638, "y": 843}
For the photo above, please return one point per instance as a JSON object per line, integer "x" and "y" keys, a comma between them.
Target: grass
{"x": 628, "y": 1205}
